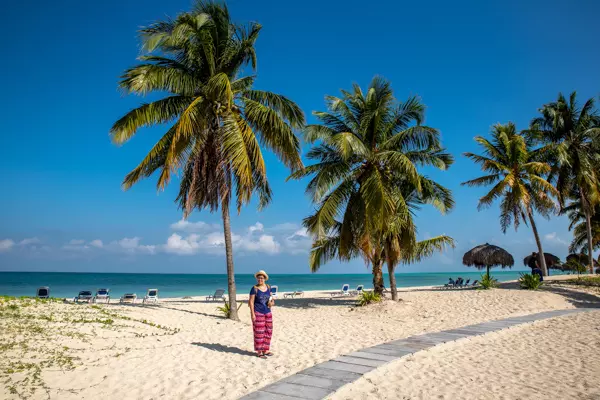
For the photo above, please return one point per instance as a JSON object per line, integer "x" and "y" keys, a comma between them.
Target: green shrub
{"x": 581, "y": 280}
{"x": 487, "y": 282}
{"x": 225, "y": 310}
{"x": 530, "y": 281}
{"x": 368, "y": 298}
{"x": 576, "y": 266}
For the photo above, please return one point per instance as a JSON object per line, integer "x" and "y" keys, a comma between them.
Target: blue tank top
{"x": 261, "y": 300}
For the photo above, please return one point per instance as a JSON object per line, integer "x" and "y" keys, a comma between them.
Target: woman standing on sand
{"x": 260, "y": 303}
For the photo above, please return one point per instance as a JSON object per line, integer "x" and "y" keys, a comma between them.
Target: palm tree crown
{"x": 517, "y": 175}
{"x": 217, "y": 120}
{"x": 513, "y": 167}
{"x": 575, "y": 134}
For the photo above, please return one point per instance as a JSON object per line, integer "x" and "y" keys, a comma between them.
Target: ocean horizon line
{"x": 270, "y": 273}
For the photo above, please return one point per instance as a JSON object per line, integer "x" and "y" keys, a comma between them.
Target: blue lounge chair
{"x": 345, "y": 291}
{"x": 101, "y": 295}
{"x": 219, "y": 295}
{"x": 43, "y": 292}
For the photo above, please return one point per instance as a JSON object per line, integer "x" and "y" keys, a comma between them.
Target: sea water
{"x": 63, "y": 284}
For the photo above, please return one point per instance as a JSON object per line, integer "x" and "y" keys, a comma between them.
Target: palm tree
{"x": 574, "y": 134}
{"x": 367, "y": 143}
{"x": 513, "y": 168}
{"x": 399, "y": 236}
{"x": 217, "y": 120}
{"x": 579, "y": 227}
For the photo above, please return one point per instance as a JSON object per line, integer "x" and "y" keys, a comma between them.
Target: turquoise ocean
{"x": 177, "y": 285}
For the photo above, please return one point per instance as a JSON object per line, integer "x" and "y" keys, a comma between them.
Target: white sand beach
{"x": 558, "y": 358}
{"x": 184, "y": 349}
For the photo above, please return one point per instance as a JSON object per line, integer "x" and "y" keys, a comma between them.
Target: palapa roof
{"x": 582, "y": 258}
{"x": 551, "y": 260}
{"x": 488, "y": 255}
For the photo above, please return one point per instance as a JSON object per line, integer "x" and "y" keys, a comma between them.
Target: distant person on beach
{"x": 260, "y": 303}
{"x": 535, "y": 270}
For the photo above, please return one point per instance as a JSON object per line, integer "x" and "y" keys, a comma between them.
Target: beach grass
{"x": 38, "y": 335}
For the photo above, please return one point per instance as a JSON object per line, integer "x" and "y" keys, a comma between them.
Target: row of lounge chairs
{"x": 102, "y": 295}
{"x": 150, "y": 297}
{"x": 220, "y": 294}
{"x": 345, "y": 291}
{"x": 459, "y": 283}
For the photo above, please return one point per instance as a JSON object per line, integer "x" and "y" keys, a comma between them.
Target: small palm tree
{"x": 512, "y": 167}
{"x": 367, "y": 144}
{"x": 217, "y": 122}
{"x": 579, "y": 227}
{"x": 574, "y": 135}
{"x": 399, "y": 234}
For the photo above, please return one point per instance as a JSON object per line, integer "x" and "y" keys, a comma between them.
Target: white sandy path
{"x": 211, "y": 357}
{"x": 557, "y": 358}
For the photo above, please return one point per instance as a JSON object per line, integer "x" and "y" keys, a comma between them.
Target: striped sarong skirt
{"x": 263, "y": 330}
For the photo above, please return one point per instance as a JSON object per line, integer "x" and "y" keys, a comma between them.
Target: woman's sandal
{"x": 269, "y": 354}
{"x": 261, "y": 356}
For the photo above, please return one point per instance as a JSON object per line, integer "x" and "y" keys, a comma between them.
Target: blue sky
{"x": 474, "y": 63}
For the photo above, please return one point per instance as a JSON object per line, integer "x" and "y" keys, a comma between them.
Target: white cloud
{"x": 187, "y": 226}
{"x": 264, "y": 244}
{"x": 298, "y": 242}
{"x": 214, "y": 243}
{"x": 257, "y": 227}
{"x": 133, "y": 246}
{"x": 76, "y": 245}
{"x": 185, "y": 246}
{"x": 191, "y": 238}
{"x": 554, "y": 238}
{"x": 28, "y": 241}
{"x": 97, "y": 243}
{"x": 6, "y": 245}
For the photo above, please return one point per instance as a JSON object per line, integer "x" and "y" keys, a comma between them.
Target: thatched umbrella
{"x": 487, "y": 256}
{"x": 581, "y": 258}
{"x": 552, "y": 262}
{"x": 576, "y": 261}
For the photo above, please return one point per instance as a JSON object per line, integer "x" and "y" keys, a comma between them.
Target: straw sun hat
{"x": 263, "y": 273}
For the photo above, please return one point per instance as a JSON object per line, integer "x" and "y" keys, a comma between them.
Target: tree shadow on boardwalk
{"x": 224, "y": 349}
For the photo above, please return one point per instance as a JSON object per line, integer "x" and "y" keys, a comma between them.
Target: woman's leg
{"x": 259, "y": 332}
{"x": 268, "y": 332}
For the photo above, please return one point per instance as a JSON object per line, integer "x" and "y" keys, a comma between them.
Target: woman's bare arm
{"x": 251, "y": 305}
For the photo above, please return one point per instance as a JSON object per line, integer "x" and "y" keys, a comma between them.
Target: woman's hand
{"x": 253, "y": 316}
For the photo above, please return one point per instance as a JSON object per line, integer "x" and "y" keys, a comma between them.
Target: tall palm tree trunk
{"x": 393, "y": 288}
{"x": 541, "y": 258}
{"x": 588, "y": 226}
{"x": 233, "y": 314}
{"x": 378, "y": 277}
{"x": 588, "y": 223}
{"x": 391, "y": 274}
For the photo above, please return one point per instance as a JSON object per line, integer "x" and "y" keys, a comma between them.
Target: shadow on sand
{"x": 575, "y": 297}
{"x": 224, "y": 349}
{"x": 193, "y": 312}
{"x": 316, "y": 302}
